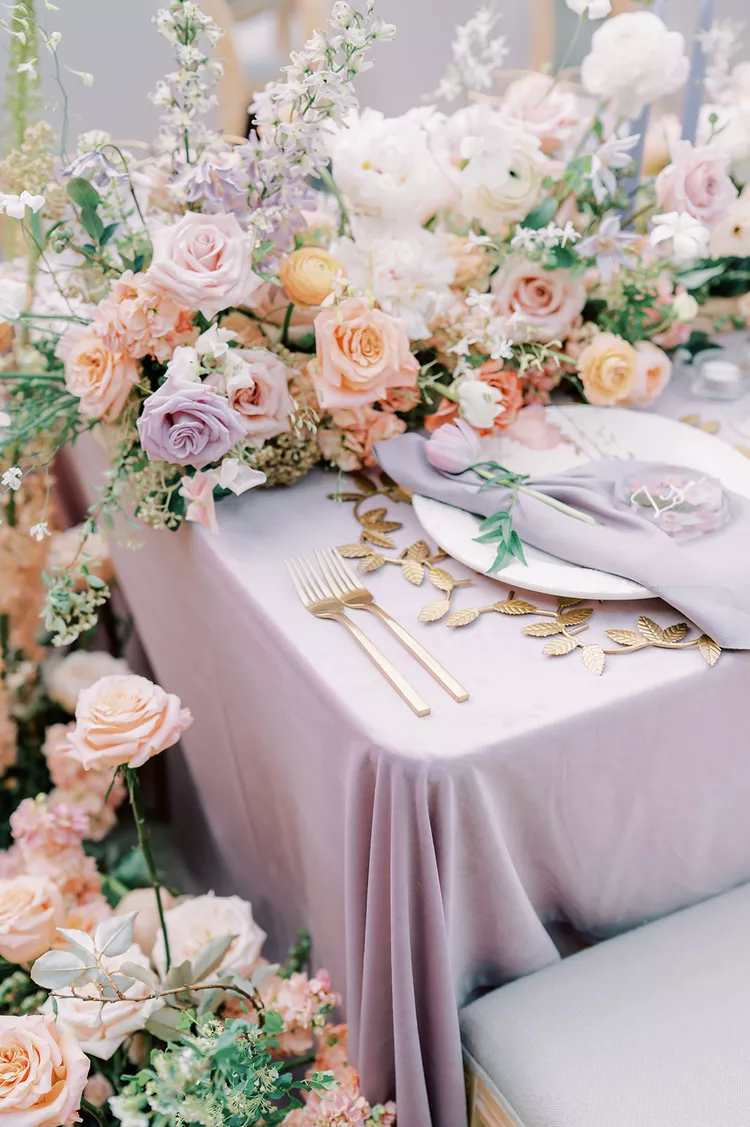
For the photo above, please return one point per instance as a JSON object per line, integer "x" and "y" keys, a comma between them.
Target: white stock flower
{"x": 193, "y": 922}
{"x": 409, "y": 272}
{"x": 214, "y": 343}
{"x": 101, "y": 1027}
{"x": 385, "y": 167}
{"x": 593, "y": 9}
{"x": 635, "y": 60}
{"x": 185, "y": 363}
{"x": 65, "y": 677}
{"x": 682, "y": 236}
{"x": 479, "y": 403}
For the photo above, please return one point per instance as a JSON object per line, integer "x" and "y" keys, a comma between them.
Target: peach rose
{"x": 361, "y": 353}
{"x": 66, "y": 675}
{"x": 259, "y": 394}
{"x": 654, "y": 373}
{"x": 125, "y": 720}
{"x": 307, "y": 275}
{"x": 609, "y": 369}
{"x": 43, "y": 1073}
{"x": 203, "y": 262}
{"x": 471, "y": 262}
{"x": 546, "y": 302}
{"x": 101, "y": 379}
{"x": 697, "y": 182}
{"x": 31, "y": 909}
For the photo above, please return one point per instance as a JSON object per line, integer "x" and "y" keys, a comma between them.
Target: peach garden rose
{"x": 99, "y": 378}
{"x": 43, "y": 1072}
{"x": 307, "y": 275}
{"x": 31, "y": 909}
{"x": 361, "y": 354}
{"x": 125, "y": 720}
{"x": 609, "y": 370}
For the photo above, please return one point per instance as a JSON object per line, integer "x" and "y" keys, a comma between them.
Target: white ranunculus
{"x": 101, "y": 1027}
{"x": 479, "y": 403}
{"x": 386, "y": 167}
{"x": 594, "y": 9}
{"x": 635, "y": 60}
{"x": 65, "y": 677}
{"x": 12, "y": 299}
{"x": 191, "y": 924}
{"x": 408, "y": 271}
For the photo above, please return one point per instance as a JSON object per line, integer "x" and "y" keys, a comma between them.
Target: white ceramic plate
{"x": 591, "y": 433}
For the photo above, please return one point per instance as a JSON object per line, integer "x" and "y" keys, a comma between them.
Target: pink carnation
{"x": 39, "y": 824}
{"x": 138, "y": 320}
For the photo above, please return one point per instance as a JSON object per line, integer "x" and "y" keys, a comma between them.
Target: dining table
{"x": 434, "y": 857}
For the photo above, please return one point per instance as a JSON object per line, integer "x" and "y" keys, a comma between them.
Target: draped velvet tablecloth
{"x": 426, "y": 855}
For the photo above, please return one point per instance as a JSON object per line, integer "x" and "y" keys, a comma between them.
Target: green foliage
{"x": 18, "y": 994}
{"x": 22, "y": 92}
{"x": 298, "y": 957}
{"x": 218, "y": 1074}
{"x": 543, "y": 214}
{"x": 498, "y": 529}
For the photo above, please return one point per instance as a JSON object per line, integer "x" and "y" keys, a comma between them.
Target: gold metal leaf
{"x": 677, "y": 632}
{"x": 385, "y": 526}
{"x": 691, "y": 420}
{"x": 364, "y": 483}
{"x": 594, "y": 658}
{"x": 371, "y": 562}
{"x": 743, "y": 450}
{"x": 345, "y": 496}
{"x": 558, "y": 647}
{"x": 514, "y": 606}
{"x": 712, "y": 427}
{"x": 542, "y": 629}
{"x": 564, "y": 602}
{"x": 649, "y": 629}
{"x": 441, "y": 579}
{"x": 463, "y": 617}
{"x": 435, "y": 611}
{"x": 373, "y": 516}
{"x": 624, "y": 637}
{"x": 354, "y": 551}
{"x": 574, "y": 617}
{"x": 400, "y": 493}
{"x": 418, "y": 551}
{"x": 710, "y": 650}
{"x": 378, "y": 538}
{"x": 414, "y": 571}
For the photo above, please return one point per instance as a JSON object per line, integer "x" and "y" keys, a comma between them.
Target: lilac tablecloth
{"x": 426, "y": 855}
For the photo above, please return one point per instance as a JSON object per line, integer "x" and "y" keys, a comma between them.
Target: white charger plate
{"x": 591, "y": 433}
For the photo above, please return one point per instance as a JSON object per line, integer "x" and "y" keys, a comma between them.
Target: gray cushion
{"x": 651, "y": 1029}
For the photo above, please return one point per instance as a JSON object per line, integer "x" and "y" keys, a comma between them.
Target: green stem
{"x": 4, "y": 643}
{"x": 141, "y": 826}
{"x": 572, "y": 45}
{"x": 489, "y": 475}
{"x": 94, "y": 1112}
{"x": 443, "y": 389}
{"x": 330, "y": 184}
{"x": 287, "y": 323}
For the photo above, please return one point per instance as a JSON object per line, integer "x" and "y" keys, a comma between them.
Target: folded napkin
{"x": 707, "y": 578}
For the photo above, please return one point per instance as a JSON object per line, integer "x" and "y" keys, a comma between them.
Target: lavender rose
{"x": 188, "y": 424}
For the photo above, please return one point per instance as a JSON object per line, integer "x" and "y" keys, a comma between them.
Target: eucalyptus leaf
{"x": 83, "y": 193}
{"x": 57, "y": 969}
{"x": 113, "y": 936}
{"x": 209, "y": 957}
{"x": 142, "y": 974}
{"x": 181, "y": 975}
{"x": 164, "y": 1024}
{"x": 76, "y": 938}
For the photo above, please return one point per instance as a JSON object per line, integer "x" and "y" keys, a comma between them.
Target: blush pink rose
{"x": 544, "y": 107}
{"x": 361, "y": 353}
{"x": 697, "y": 182}
{"x": 43, "y": 1072}
{"x": 138, "y": 320}
{"x": 203, "y": 262}
{"x": 654, "y": 371}
{"x": 533, "y": 429}
{"x": 546, "y": 302}
{"x": 31, "y": 910}
{"x": 259, "y": 394}
{"x": 99, "y": 378}
{"x": 125, "y": 720}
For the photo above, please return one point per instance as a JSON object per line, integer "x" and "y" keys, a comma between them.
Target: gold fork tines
{"x": 320, "y": 600}
{"x": 344, "y": 586}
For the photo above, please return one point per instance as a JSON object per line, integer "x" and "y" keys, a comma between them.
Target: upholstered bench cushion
{"x": 651, "y": 1029}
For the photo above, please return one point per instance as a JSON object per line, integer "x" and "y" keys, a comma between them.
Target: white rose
{"x": 409, "y": 272}
{"x": 101, "y": 1027}
{"x": 191, "y": 924}
{"x": 65, "y": 677}
{"x": 593, "y": 9}
{"x": 185, "y": 363}
{"x": 730, "y": 133}
{"x": 635, "y": 60}
{"x": 386, "y": 167}
{"x": 500, "y": 168}
{"x": 479, "y": 403}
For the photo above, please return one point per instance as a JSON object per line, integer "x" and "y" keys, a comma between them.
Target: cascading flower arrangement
{"x": 228, "y": 313}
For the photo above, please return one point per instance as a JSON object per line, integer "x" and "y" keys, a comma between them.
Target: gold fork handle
{"x": 425, "y": 659}
{"x": 416, "y": 703}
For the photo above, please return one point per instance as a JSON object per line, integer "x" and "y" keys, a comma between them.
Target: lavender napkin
{"x": 707, "y": 578}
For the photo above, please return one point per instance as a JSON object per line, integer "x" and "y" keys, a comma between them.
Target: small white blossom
{"x": 592, "y": 9}
{"x": 681, "y": 235}
{"x": 86, "y": 78}
{"x": 476, "y": 56}
{"x": 29, "y": 68}
{"x": 52, "y": 41}
{"x": 11, "y": 479}
{"x": 15, "y": 206}
{"x": 39, "y": 531}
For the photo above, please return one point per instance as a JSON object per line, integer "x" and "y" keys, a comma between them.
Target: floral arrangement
{"x": 227, "y": 314}
{"x": 130, "y": 1004}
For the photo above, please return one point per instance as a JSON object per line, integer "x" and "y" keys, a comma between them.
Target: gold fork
{"x": 319, "y": 599}
{"x": 352, "y": 594}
